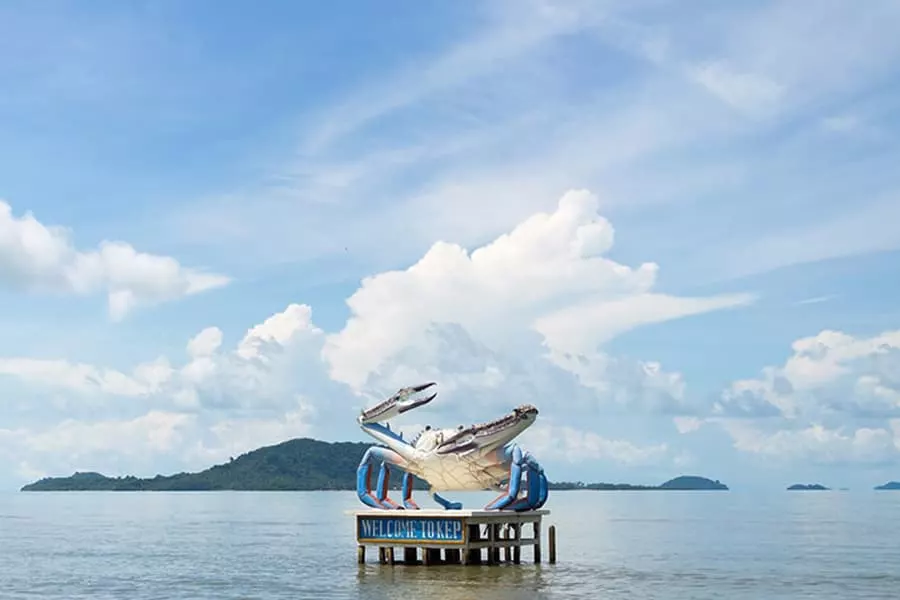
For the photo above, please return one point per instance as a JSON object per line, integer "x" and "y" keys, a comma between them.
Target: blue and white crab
{"x": 478, "y": 457}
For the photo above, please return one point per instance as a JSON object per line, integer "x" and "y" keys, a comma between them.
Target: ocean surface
{"x": 266, "y": 545}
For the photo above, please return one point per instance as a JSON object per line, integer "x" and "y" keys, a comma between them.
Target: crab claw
{"x": 403, "y": 400}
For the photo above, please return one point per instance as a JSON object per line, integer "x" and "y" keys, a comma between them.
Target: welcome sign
{"x": 440, "y": 530}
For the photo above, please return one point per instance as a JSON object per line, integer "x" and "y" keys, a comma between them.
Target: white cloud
{"x": 42, "y": 258}
{"x": 687, "y": 424}
{"x": 835, "y": 400}
{"x": 560, "y": 442}
{"x": 746, "y": 92}
{"x": 87, "y": 446}
{"x": 144, "y": 445}
{"x": 827, "y": 374}
{"x": 274, "y": 364}
{"x": 580, "y": 328}
{"x": 814, "y": 300}
{"x": 87, "y": 378}
{"x": 817, "y": 444}
{"x": 548, "y": 274}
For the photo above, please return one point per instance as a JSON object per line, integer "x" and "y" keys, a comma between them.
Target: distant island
{"x": 890, "y": 485}
{"x": 807, "y": 487}
{"x": 685, "y": 482}
{"x": 302, "y": 464}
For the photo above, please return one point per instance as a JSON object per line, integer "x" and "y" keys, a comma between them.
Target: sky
{"x": 675, "y": 229}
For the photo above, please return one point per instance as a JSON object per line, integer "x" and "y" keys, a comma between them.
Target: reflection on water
{"x": 296, "y": 546}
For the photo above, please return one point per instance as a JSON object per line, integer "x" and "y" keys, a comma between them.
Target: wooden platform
{"x": 451, "y": 536}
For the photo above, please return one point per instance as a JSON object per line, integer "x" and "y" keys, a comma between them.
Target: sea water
{"x": 642, "y": 545}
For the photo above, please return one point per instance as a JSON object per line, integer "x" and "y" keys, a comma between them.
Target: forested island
{"x": 890, "y": 485}
{"x": 301, "y": 464}
{"x": 807, "y": 487}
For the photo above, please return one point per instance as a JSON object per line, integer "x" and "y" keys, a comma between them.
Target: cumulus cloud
{"x": 835, "y": 400}
{"x": 37, "y": 257}
{"x": 829, "y": 374}
{"x": 547, "y": 275}
{"x": 274, "y": 363}
{"x": 159, "y": 416}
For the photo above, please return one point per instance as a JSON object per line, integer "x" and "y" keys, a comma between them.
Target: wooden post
{"x": 517, "y": 550}
{"x": 537, "y": 542}
{"x": 473, "y": 555}
{"x": 552, "y": 543}
{"x": 361, "y": 554}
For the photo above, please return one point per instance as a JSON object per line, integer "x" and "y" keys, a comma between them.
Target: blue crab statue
{"x": 478, "y": 457}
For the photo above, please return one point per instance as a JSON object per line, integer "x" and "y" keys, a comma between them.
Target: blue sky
{"x": 628, "y": 213}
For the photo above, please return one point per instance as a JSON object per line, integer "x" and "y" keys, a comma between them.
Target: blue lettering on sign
{"x": 412, "y": 529}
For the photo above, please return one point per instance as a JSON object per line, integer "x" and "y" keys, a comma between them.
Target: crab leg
{"x": 447, "y": 504}
{"x": 407, "y": 492}
{"x": 385, "y": 457}
{"x": 536, "y": 484}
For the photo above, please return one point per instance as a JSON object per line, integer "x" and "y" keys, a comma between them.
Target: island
{"x": 807, "y": 487}
{"x": 301, "y": 464}
{"x": 890, "y": 485}
{"x": 684, "y": 482}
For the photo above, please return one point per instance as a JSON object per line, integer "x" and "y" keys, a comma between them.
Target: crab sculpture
{"x": 478, "y": 457}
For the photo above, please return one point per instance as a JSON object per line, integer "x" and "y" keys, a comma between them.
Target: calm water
{"x": 642, "y": 545}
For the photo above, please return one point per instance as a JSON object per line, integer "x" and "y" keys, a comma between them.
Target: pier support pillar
{"x": 551, "y": 534}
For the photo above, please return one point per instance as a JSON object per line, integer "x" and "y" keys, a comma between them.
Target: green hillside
{"x": 299, "y": 464}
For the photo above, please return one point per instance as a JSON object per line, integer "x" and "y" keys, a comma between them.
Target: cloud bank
{"x": 526, "y": 317}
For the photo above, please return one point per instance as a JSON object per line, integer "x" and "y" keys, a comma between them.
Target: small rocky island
{"x": 807, "y": 487}
{"x": 890, "y": 485}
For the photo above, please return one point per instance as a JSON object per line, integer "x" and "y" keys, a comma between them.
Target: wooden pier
{"x": 467, "y": 537}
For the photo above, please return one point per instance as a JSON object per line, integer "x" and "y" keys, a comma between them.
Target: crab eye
{"x": 428, "y": 428}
